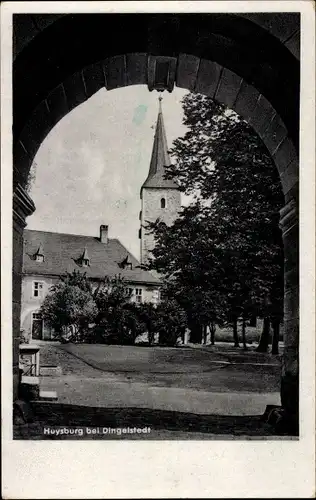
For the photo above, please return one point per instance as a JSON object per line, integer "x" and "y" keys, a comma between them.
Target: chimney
{"x": 104, "y": 230}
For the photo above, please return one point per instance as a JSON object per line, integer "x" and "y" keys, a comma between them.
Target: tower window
{"x": 163, "y": 203}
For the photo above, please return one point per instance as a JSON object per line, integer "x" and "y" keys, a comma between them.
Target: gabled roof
{"x": 159, "y": 158}
{"x": 63, "y": 253}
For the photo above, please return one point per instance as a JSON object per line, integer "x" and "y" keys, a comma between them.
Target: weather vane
{"x": 160, "y": 99}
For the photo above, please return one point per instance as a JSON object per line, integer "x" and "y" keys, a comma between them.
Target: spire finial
{"x": 160, "y": 99}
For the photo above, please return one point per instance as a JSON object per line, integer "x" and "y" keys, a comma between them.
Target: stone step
{"x": 50, "y": 371}
{"x": 48, "y": 396}
{"x": 30, "y": 380}
{"x": 29, "y": 388}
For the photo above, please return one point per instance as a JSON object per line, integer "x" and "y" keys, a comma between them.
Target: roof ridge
{"x": 67, "y": 234}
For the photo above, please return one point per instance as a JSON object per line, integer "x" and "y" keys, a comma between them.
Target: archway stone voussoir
{"x": 246, "y": 100}
{"x": 57, "y": 103}
{"x": 285, "y": 154}
{"x": 262, "y": 116}
{"x": 115, "y": 72}
{"x": 136, "y": 69}
{"x": 274, "y": 134}
{"x": 208, "y": 76}
{"x": 228, "y": 88}
{"x": 75, "y": 90}
{"x": 21, "y": 164}
{"x": 94, "y": 78}
{"x": 290, "y": 177}
{"x": 187, "y": 71}
{"x": 36, "y": 129}
{"x": 294, "y": 44}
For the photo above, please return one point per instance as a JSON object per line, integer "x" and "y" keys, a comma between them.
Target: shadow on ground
{"x": 163, "y": 424}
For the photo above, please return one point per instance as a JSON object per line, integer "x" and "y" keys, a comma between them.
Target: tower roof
{"x": 159, "y": 158}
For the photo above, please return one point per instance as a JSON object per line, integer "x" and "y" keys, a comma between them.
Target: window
{"x": 85, "y": 262}
{"x": 37, "y": 326}
{"x": 163, "y": 203}
{"x": 39, "y": 258}
{"x": 138, "y": 295}
{"x": 129, "y": 292}
{"x": 38, "y": 288}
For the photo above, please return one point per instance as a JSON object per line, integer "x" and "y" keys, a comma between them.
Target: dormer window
{"x": 39, "y": 254}
{"x": 126, "y": 264}
{"x": 85, "y": 261}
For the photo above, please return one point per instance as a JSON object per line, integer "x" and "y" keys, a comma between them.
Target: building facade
{"x": 160, "y": 197}
{"x": 48, "y": 255}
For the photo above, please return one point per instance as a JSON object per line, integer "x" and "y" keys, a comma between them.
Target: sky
{"x": 90, "y": 168}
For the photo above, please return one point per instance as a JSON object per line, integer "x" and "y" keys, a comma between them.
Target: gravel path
{"x": 222, "y": 400}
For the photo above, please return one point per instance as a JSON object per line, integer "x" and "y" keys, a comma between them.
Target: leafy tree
{"x": 70, "y": 305}
{"x": 170, "y": 322}
{"x": 148, "y": 315}
{"x": 118, "y": 319}
{"x": 227, "y": 246}
{"x": 191, "y": 266}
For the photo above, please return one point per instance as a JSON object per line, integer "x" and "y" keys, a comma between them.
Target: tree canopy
{"x": 69, "y": 305}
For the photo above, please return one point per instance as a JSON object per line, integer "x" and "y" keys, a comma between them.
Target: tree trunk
{"x": 196, "y": 333}
{"x": 204, "y": 330}
{"x": 276, "y": 335}
{"x": 265, "y": 336}
{"x": 235, "y": 333}
{"x": 212, "y": 329}
{"x": 150, "y": 337}
{"x": 244, "y": 334}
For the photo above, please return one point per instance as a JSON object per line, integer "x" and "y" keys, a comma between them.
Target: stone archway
{"x": 246, "y": 63}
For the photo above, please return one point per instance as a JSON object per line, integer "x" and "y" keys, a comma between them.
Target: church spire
{"x": 159, "y": 157}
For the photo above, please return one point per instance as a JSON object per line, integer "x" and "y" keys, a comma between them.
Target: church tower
{"x": 160, "y": 198}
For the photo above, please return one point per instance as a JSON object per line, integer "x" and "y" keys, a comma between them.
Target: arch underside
{"x": 226, "y": 57}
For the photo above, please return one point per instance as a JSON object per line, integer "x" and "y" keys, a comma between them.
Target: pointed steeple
{"x": 159, "y": 157}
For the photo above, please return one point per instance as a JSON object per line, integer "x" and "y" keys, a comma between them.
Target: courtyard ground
{"x": 182, "y": 393}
